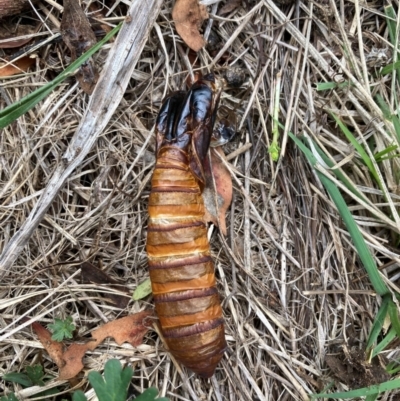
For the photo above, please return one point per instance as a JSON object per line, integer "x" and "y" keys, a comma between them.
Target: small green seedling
{"x": 61, "y": 329}
{"x": 9, "y": 397}
{"x": 114, "y": 385}
{"x": 32, "y": 376}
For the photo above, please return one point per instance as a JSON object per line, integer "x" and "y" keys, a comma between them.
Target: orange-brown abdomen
{"x": 181, "y": 267}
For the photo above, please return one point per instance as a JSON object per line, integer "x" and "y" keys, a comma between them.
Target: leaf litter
{"x": 188, "y": 16}
{"x": 130, "y": 329}
{"x": 78, "y": 35}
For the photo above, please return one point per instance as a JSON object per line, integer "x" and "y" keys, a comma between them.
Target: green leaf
{"x": 383, "y": 106}
{"x": 150, "y": 395}
{"x": 323, "y": 86}
{"x": 391, "y": 24}
{"x": 393, "y": 368}
{"x": 396, "y": 124}
{"x": 359, "y": 148}
{"x": 61, "y": 329}
{"x": 35, "y": 374}
{"x": 390, "y": 68}
{"x": 361, "y": 392}
{"x": 114, "y": 385}
{"x": 79, "y": 396}
{"x": 18, "y": 377}
{"x": 339, "y": 174}
{"x": 394, "y": 317}
{"x": 379, "y": 155}
{"x": 15, "y": 110}
{"x": 142, "y": 290}
{"x": 379, "y": 321}
{"x": 388, "y": 115}
{"x": 390, "y": 336}
{"x": 9, "y": 397}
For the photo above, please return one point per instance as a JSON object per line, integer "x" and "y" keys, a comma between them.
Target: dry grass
{"x": 293, "y": 288}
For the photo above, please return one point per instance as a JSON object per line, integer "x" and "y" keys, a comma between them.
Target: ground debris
{"x": 78, "y": 35}
{"x": 352, "y": 368}
{"x": 188, "y": 16}
{"x": 129, "y": 329}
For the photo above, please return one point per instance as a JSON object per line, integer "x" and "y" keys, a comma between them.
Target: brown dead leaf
{"x": 92, "y": 274}
{"x": 188, "y": 16}
{"x": 229, "y": 6}
{"x": 96, "y": 17}
{"x": 72, "y": 360}
{"x": 16, "y": 67}
{"x": 218, "y": 198}
{"x": 11, "y": 33}
{"x": 54, "y": 348}
{"x": 129, "y": 329}
{"x": 77, "y": 34}
{"x": 13, "y": 7}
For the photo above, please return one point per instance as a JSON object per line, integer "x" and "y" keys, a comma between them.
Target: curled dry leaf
{"x": 92, "y": 274}
{"x": 13, "y": 7}
{"x": 78, "y": 35}
{"x": 54, "y": 348}
{"x": 96, "y": 18}
{"x": 129, "y": 329}
{"x": 16, "y": 67}
{"x": 230, "y": 6}
{"x": 11, "y": 32}
{"x": 217, "y": 193}
{"x": 188, "y": 16}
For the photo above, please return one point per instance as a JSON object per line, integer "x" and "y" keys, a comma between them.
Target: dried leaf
{"x": 218, "y": 198}
{"x": 13, "y": 7}
{"x": 17, "y": 66}
{"x": 54, "y": 348}
{"x": 129, "y": 329}
{"x": 72, "y": 359}
{"x": 96, "y": 17}
{"x": 79, "y": 37}
{"x": 230, "y": 6}
{"x": 92, "y": 274}
{"x": 188, "y": 16}
{"x": 10, "y": 34}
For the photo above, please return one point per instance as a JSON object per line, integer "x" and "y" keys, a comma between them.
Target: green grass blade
{"x": 390, "y": 336}
{"x": 359, "y": 148}
{"x": 393, "y": 368}
{"x": 15, "y": 110}
{"x": 391, "y": 23}
{"x": 390, "y": 68}
{"x": 394, "y": 317}
{"x": 379, "y": 321}
{"x": 383, "y": 106}
{"x": 361, "y": 392}
{"x": 323, "y": 86}
{"x": 396, "y": 123}
{"x": 384, "y": 152}
{"x": 372, "y": 397}
{"x": 388, "y": 115}
{"x": 339, "y": 175}
{"x": 352, "y": 227}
